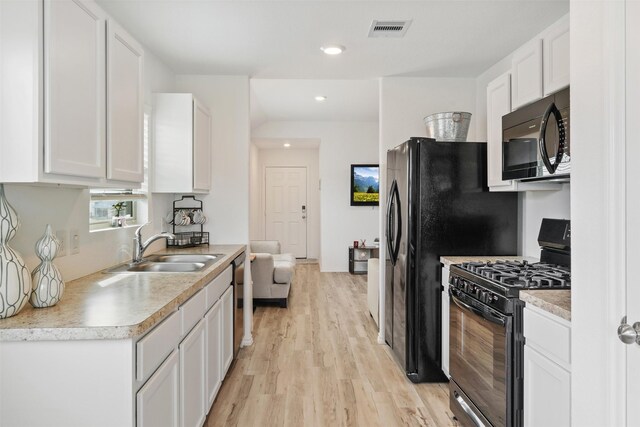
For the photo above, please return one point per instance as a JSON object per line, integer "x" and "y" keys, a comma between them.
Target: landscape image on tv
{"x": 365, "y": 185}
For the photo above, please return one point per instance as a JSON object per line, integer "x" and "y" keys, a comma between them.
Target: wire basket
{"x": 190, "y": 238}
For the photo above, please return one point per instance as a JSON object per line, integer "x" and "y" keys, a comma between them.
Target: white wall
{"x": 227, "y": 204}
{"x": 534, "y": 205}
{"x": 68, "y": 208}
{"x": 341, "y": 144}
{"x": 254, "y": 194}
{"x": 308, "y": 158}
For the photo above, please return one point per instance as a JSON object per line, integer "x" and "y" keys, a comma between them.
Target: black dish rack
{"x": 186, "y": 239}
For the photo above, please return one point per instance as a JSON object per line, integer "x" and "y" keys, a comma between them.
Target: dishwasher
{"x": 238, "y": 289}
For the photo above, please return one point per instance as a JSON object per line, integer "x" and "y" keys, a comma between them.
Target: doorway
{"x": 286, "y": 208}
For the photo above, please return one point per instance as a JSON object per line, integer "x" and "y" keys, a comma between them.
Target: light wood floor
{"x": 317, "y": 363}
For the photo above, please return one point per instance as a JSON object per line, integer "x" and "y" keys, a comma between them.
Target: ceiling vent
{"x": 388, "y": 28}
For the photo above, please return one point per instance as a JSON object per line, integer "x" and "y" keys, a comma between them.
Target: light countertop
{"x": 115, "y": 306}
{"x": 556, "y": 301}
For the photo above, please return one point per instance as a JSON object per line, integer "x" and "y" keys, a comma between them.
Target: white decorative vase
{"x": 48, "y": 285}
{"x": 15, "y": 281}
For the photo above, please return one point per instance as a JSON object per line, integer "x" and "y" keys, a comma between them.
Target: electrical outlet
{"x": 62, "y": 238}
{"x": 74, "y": 239}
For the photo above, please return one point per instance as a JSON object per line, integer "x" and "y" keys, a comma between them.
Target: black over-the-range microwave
{"x": 535, "y": 140}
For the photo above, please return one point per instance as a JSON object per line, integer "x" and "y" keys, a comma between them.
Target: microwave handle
{"x": 551, "y": 109}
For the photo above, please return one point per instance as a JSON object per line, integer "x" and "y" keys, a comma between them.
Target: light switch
{"x": 74, "y": 238}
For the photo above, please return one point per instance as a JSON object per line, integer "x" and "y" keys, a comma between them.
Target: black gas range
{"x": 486, "y": 334}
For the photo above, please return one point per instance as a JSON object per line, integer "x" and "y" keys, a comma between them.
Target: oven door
{"x": 479, "y": 362}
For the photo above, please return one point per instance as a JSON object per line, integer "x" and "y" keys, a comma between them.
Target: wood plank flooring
{"x": 318, "y": 363}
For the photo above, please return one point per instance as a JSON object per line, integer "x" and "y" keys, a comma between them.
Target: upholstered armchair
{"x": 271, "y": 272}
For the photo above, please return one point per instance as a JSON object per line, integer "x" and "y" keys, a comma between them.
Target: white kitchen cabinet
{"x": 547, "y": 369}
{"x": 445, "y": 321}
{"x": 227, "y": 330}
{"x": 125, "y": 102}
{"x": 55, "y": 124}
{"x": 201, "y": 147}
{"x": 158, "y": 401}
{"x": 555, "y": 60}
{"x": 74, "y": 84}
{"x": 213, "y": 332}
{"x": 182, "y": 144}
{"x": 526, "y": 70}
{"x": 192, "y": 378}
{"x": 499, "y": 104}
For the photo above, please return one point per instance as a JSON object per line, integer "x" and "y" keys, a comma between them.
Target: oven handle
{"x": 485, "y": 315}
{"x": 467, "y": 409}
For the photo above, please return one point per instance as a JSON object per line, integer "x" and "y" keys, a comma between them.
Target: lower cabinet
{"x": 192, "y": 377}
{"x": 547, "y": 369}
{"x": 157, "y": 401}
{"x": 547, "y": 393}
{"x": 213, "y": 332}
{"x": 445, "y": 321}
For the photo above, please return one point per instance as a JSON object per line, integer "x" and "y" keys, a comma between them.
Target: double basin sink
{"x": 180, "y": 263}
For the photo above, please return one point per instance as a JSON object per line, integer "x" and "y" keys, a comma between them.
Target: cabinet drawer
{"x": 217, "y": 286}
{"x": 192, "y": 311}
{"x": 548, "y": 334}
{"x": 156, "y": 346}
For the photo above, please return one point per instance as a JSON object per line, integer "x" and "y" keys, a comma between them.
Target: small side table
{"x": 358, "y": 258}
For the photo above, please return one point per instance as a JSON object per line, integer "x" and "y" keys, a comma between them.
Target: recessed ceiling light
{"x": 333, "y": 49}
{"x": 321, "y": 98}
{"x": 287, "y": 145}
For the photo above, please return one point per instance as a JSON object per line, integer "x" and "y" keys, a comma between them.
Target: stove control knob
{"x": 482, "y": 296}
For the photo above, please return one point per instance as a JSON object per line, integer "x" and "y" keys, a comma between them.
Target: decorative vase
{"x": 48, "y": 285}
{"x": 15, "y": 281}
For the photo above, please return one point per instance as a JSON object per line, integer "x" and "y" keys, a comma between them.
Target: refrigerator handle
{"x": 390, "y": 229}
{"x": 398, "y": 223}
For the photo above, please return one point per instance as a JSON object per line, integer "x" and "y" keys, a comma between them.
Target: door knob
{"x": 629, "y": 334}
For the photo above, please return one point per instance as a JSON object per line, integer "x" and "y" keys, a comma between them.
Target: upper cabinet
{"x": 526, "y": 66}
{"x": 498, "y": 104}
{"x": 182, "y": 144}
{"x": 541, "y": 66}
{"x": 555, "y": 60}
{"x": 71, "y": 96}
{"x": 125, "y": 95}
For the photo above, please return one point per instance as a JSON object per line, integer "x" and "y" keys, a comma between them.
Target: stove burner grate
{"x": 522, "y": 274}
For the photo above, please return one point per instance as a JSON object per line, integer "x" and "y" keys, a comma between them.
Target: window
{"x": 119, "y": 207}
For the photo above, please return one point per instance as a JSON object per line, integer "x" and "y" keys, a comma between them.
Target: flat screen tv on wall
{"x": 365, "y": 185}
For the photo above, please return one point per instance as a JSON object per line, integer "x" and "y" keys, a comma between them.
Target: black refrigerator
{"x": 438, "y": 204}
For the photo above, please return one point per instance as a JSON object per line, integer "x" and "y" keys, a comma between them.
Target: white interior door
{"x": 286, "y": 208}
{"x": 633, "y": 204}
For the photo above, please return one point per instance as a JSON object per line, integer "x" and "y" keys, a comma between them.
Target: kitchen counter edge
{"x": 18, "y": 328}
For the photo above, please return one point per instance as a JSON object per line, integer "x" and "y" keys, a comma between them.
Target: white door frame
{"x": 598, "y": 201}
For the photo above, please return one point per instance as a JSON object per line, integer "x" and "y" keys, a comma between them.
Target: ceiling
{"x": 279, "y": 41}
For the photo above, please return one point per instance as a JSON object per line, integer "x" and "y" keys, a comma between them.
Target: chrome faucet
{"x": 139, "y": 248}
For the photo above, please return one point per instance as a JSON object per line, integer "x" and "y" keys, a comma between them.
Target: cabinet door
{"x": 227, "y": 330}
{"x": 201, "y": 148}
{"x": 526, "y": 70}
{"x": 556, "y": 57}
{"x": 125, "y": 149}
{"x": 445, "y": 321}
{"x": 213, "y": 327}
{"x": 157, "y": 400}
{"x": 192, "y": 377}
{"x": 547, "y": 392}
{"x": 498, "y": 104}
{"x": 74, "y": 70}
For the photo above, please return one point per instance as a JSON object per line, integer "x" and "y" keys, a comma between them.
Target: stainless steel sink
{"x": 184, "y": 258}
{"x": 180, "y": 263}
